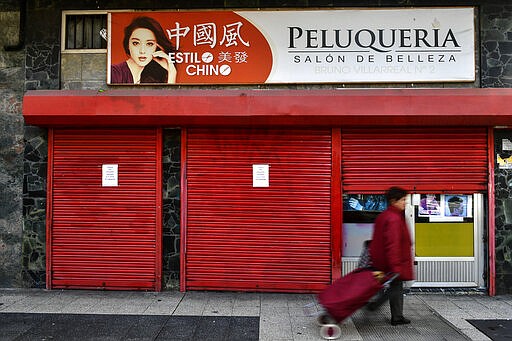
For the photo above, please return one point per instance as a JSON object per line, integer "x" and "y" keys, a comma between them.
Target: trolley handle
{"x": 392, "y": 276}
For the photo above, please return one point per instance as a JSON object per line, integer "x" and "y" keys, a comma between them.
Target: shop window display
{"x": 359, "y": 213}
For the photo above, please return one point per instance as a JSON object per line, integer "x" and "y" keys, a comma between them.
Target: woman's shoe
{"x": 399, "y": 321}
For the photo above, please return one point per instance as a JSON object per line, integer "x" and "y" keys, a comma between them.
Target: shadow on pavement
{"x": 69, "y": 327}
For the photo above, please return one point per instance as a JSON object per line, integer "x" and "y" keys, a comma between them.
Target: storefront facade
{"x": 238, "y": 188}
{"x": 240, "y": 236}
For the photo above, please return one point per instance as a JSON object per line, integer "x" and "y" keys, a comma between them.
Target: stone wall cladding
{"x": 171, "y": 208}
{"x": 496, "y": 56}
{"x": 42, "y": 45}
{"x": 83, "y": 71}
{"x": 496, "y": 35}
{"x": 503, "y": 211}
{"x": 41, "y": 72}
{"x": 11, "y": 148}
{"x": 34, "y": 207}
{"x": 11, "y": 177}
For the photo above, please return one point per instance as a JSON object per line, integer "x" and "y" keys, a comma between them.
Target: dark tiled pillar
{"x": 34, "y": 207}
{"x": 171, "y": 208}
{"x": 496, "y": 44}
{"x": 503, "y": 225}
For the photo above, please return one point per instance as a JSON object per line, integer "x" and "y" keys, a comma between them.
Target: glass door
{"x": 448, "y": 243}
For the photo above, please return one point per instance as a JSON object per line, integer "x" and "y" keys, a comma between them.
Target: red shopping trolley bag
{"x": 350, "y": 293}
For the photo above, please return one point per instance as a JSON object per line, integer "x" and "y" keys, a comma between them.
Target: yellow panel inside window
{"x": 444, "y": 239}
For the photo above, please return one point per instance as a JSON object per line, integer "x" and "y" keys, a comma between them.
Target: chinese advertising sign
{"x": 291, "y": 46}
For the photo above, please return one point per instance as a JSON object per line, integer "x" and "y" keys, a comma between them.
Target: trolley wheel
{"x": 324, "y": 319}
{"x": 330, "y": 331}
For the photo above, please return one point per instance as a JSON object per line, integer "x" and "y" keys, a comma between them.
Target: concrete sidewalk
{"x": 435, "y": 316}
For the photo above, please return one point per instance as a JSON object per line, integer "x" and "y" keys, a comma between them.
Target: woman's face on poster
{"x": 142, "y": 45}
{"x": 456, "y": 208}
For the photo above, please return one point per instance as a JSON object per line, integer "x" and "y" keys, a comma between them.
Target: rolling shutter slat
{"x": 245, "y": 238}
{"x": 419, "y": 160}
{"x": 104, "y": 237}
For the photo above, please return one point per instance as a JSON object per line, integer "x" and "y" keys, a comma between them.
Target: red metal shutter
{"x": 105, "y": 237}
{"x": 267, "y": 239}
{"x": 418, "y": 159}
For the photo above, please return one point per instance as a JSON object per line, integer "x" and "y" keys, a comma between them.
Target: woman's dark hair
{"x": 395, "y": 193}
{"x": 152, "y": 25}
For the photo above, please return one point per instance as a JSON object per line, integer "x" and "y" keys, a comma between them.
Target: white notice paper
{"x": 109, "y": 175}
{"x": 506, "y": 144}
{"x": 260, "y": 175}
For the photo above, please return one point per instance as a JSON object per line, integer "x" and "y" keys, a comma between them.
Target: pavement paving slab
{"x": 38, "y": 314}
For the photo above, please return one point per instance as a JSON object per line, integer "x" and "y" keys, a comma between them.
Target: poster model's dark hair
{"x": 152, "y": 25}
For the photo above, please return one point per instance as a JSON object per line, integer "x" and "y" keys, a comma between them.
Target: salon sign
{"x": 292, "y": 46}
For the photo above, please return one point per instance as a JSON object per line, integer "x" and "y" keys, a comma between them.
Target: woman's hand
{"x": 163, "y": 59}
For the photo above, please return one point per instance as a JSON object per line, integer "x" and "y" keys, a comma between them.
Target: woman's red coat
{"x": 390, "y": 249}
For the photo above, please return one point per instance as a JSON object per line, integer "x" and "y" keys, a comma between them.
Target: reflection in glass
{"x": 364, "y": 202}
{"x": 359, "y": 213}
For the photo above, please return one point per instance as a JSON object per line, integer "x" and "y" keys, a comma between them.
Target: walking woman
{"x": 390, "y": 250}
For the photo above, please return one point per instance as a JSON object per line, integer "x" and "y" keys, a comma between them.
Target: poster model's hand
{"x": 354, "y": 203}
{"x": 163, "y": 59}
